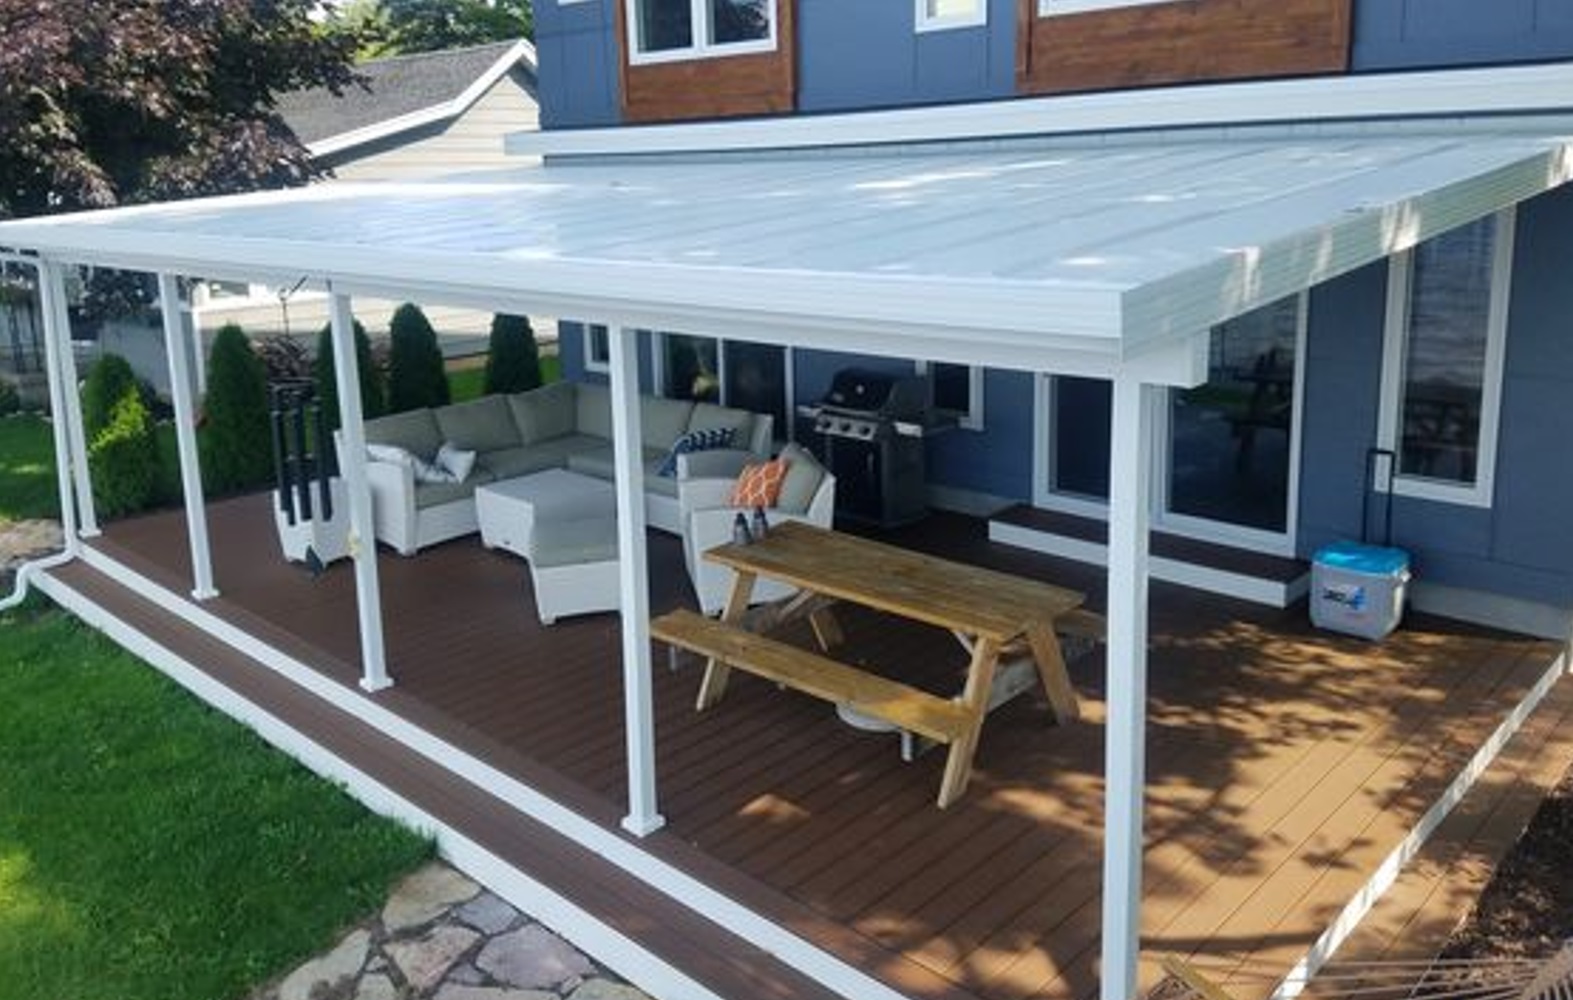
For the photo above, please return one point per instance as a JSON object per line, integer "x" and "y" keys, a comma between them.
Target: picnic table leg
{"x": 980, "y": 678}
{"x": 827, "y": 630}
{"x": 1051, "y": 669}
{"x": 714, "y": 685}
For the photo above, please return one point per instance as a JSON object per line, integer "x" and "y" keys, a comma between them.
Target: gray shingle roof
{"x": 396, "y": 86}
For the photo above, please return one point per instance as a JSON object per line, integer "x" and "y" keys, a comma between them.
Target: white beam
{"x": 51, "y": 294}
{"x": 176, "y": 346}
{"x": 633, "y": 583}
{"x": 53, "y": 274}
{"x": 352, "y": 466}
{"x": 1130, "y": 489}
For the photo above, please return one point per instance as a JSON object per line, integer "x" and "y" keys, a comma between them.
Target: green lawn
{"x": 27, "y": 469}
{"x": 467, "y": 383}
{"x": 152, "y": 849}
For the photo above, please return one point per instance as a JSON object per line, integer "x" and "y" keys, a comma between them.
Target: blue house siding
{"x": 1403, "y": 34}
{"x": 1521, "y": 546}
{"x": 576, "y": 46}
{"x": 867, "y": 53}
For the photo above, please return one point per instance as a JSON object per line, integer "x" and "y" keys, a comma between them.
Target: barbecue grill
{"x": 869, "y": 430}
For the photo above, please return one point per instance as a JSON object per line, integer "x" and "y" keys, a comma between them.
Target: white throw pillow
{"x": 455, "y": 461}
{"x": 390, "y": 453}
{"x": 425, "y": 472}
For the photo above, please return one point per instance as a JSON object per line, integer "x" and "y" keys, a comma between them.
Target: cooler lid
{"x": 1359, "y": 558}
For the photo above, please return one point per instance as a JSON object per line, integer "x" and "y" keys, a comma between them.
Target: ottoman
{"x": 573, "y": 567}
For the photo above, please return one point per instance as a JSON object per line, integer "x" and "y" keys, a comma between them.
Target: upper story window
{"x": 939, "y": 15}
{"x": 668, "y": 30}
{"x": 1443, "y": 358}
{"x": 1048, "y": 8}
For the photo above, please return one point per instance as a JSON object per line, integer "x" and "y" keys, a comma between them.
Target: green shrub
{"x": 107, "y": 381}
{"x": 235, "y": 441}
{"x": 10, "y": 401}
{"x": 370, "y": 378}
{"x": 513, "y": 362}
{"x": 417, "y": 376}
{"x": 123, "y": 457}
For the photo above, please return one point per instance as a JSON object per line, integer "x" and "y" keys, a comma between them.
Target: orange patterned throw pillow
{"x": 760, "y": 485}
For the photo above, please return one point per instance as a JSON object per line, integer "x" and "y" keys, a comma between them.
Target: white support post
{"x": 352, "y": 462}
{"x": 50, "y": 291}
{"x": 53, "y": 275}
{"x": 176, "y": 345}
{"x": 633, "y": 583}
{"x": 1125, "y": 746}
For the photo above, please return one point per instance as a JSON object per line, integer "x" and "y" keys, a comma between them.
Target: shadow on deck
{"x": 1283, "y": 764}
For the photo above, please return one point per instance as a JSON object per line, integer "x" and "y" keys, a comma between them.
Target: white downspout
{"x": 52, "y": 275}
{"x": 175, "y": 346}
{"x": 1130, "y": 489}
{"x": 363, "y": 533}
{"x": 49, "y": 292}
{"x": 633, "y": 583}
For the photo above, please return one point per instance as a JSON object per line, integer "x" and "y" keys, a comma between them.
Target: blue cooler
{"x": 1358, "y": 589}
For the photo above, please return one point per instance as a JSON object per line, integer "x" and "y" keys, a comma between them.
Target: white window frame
{"x": 658, "y": 384}
{"x": 1395, "y": 340}
{"x": 1279, "y": 543}
{"x": 1049, "y": 8}
{"x": 604, "y": 365}
{"x": 924, "y": 22}
{"x": 701, "y": 48}
{"x": 972, "y": 419}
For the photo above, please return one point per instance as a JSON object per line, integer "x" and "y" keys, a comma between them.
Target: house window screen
{"x": 735, "y": 21}
{"x": 665, "y": 25}
{"x": 1445, "y": 354}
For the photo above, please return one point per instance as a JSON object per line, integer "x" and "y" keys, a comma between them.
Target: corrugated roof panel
{"x": 1120, "y": 243}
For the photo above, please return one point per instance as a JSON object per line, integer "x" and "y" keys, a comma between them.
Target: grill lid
{"x": 883, "y": 395}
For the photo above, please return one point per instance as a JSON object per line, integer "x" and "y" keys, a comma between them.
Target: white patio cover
{"x": 1071, "y": 254}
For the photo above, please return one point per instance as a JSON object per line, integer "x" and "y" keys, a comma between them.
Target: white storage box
{"x": 1358, "y": 589}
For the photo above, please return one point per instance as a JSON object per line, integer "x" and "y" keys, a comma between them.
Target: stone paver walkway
{"x": 442, "y": 937}
{"x": 21, "y": 541}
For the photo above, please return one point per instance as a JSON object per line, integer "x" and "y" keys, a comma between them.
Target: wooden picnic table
{"x": 988, "y": 611}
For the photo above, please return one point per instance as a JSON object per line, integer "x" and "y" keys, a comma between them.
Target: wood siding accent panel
{"x": 760, "y": 83}
{"x": 1183, "y": 42}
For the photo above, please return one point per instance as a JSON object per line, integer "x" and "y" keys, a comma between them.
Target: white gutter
{"x": 522, "y": 50}
{"x": 28, "y": 570}
{"x": 1519, "y": 90}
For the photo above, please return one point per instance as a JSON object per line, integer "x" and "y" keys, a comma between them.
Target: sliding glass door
{"x": 1227, "y": 467}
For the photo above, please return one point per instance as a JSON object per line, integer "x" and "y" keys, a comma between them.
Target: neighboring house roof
{"x": 401, "y": 93}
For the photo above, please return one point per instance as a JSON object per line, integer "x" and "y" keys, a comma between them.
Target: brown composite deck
{"x": 1283, "y": 764}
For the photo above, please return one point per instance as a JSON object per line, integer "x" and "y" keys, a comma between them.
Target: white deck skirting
{"x": 795, "y": 951}
{"x": 626, "y": 956}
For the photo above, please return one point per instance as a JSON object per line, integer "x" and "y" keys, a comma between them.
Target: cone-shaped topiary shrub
{"x": 513, "y": 363}
{"x": 123, "y": 456}
{"x": 371, "y": 400}
{"x": 107, "y": 381}
{"x": 235, "y": 435}
{"x": 416, "y": 374}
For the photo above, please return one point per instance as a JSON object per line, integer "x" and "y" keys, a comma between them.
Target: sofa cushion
{"x": 600, "y": 462}
{"x": 661, "y": 421}
{"x": 415, "y": 431}
{"x": 544, "y": 413}
{"x": 436, "y": 494}
{"x": 708, "y": 415}
{"x": 484, "y": 424}
{"x": 593, "y": 410}
{"x": 803, "y": 476}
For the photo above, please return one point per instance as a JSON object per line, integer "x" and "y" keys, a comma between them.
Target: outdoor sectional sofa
{"x": 562, "y": 425}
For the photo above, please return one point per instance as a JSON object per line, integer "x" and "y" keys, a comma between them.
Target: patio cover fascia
{"x": 1192, "y": 230}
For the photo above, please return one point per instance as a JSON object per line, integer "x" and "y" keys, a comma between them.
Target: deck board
{"x": 1281, "y": 761}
